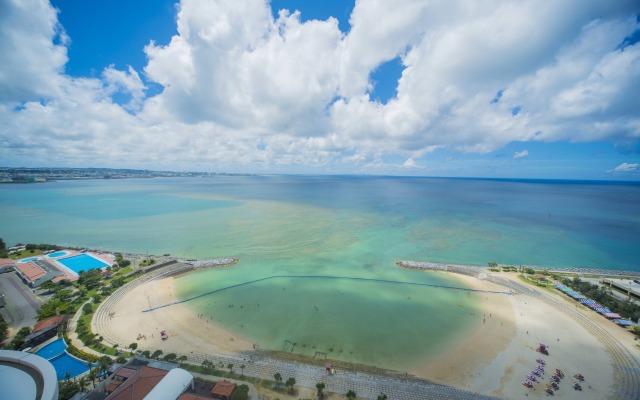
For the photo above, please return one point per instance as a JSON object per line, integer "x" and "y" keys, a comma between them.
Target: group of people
{"x": 554, "y": 381}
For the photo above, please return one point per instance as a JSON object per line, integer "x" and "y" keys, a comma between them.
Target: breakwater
{"x": 324, "y": 277}
{"x": 474, "y": 270}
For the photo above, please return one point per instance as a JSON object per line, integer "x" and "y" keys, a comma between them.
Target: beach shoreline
{"x": 493, "y": 358}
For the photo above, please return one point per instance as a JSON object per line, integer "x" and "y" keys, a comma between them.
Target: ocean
{"x": 338, "y": 226}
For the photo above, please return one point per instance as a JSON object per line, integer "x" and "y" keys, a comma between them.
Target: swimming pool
{"x": 82, "y": 262}
{"x": 58, "y": 254}
{"x": 52, "y": 350}
{"x": 67, "y": 364}
{"x": 26, "y": 260}
{"x": 62, "y": 362}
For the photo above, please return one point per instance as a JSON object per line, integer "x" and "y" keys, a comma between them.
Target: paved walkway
{"x": 73, "y": 336}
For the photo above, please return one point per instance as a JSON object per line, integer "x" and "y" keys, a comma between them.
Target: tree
{"x": 208, "y": 366}
{"x": 66, "y": 389}
{"x": 91, "y": 279}
{"x": 49, "y": 286}
{"x": 3, "y": 245}
{"x": 242, "y": 369}
{"x": 156, "y": 354}
{"x": 170, "y": 357}
{"x": 320, "y": 387}
{"x": 635, "y": 330}
{"x": 290, "y": 384}
{"x": 104, "y": 362}
{"x": 182, "y": 359}
{"x": 86, "y": 308}
{"x": 4, "y": 330}
{"x": 93, "y": 374}
{"x": 241, "y": 393}
{"x": 230, "y": 366}
{"x": 351, "y": 394}
{"x": 82, "y": 383}
{"x": 278, "y": 378}
{"x": 382, "y": 397}
{"x": 133, "y": 346}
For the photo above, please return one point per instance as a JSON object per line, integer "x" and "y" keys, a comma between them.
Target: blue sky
{"x": 449, "y": 88}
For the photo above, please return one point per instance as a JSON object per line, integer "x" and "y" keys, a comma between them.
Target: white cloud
{"x": 235, "y": 78}
{"x": 520, "y": 154}
{"x": 411, "y": 163}
{"x": 625, "y": 167}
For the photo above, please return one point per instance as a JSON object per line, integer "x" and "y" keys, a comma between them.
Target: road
{"x": 22, "y": 305}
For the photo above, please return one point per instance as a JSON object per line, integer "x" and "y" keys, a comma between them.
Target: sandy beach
{"x": 494, "y": 359}
{"x": 186, "y": 331}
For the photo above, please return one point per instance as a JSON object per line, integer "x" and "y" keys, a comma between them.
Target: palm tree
{"x": 351, "y": 394}
{"x": 278, "y": 378}
{"x": 290, "y": 383}
{"x": 82, "y": 382}
{"x": 382, "y": 397}
{"x": 230, "y": 366}
{"x": 242, "y": 368}
{"x": 320, "y": 387}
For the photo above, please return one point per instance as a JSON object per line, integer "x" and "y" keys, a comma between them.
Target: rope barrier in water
{"x": 324, "y": 277}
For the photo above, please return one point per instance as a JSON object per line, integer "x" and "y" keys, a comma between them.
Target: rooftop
{"x": 31, "y": 271}
{"x": 139, "y": 385}
{"x": 223, "y": 388}
{"x": 46, "y": 323}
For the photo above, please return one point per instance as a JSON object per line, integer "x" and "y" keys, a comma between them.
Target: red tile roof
{"x": 30, "y": 270}
{"x": 192, "y": 396}
{"x": 223, "y": 388}
{"x": 45, "y": 323}
{"x": 139, "y": 385}
{"x": 113, "y": 386}
{"x": 6, "y": 262}
{"x": 126, "y": 372}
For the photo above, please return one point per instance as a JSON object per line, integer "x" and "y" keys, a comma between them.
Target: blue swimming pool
{"x": 82, "y": 262}
{"x": 26, "y": 260}
{"x": 52, "y": 350}
{"x": 64, "y": 363}
{"x": 58, "y": 254}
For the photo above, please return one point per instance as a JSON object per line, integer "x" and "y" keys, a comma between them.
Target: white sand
{"x": 186, "y": 331}
{"x": 494, "y": 359}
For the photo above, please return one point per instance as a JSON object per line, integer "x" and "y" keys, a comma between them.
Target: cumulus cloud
{"x": 475, "y": 77}
{"x": 520, "y": 154}
{"x": 625, "y": 167}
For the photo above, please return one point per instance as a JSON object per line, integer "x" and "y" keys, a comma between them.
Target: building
{"x": 6, "y": 264}
{"x": 146, "y": 379}
{"x": 37, "y": 272}
{"x": 223, "y": 390}
{"x": 26, "y": 376}
{"x": 44, "y": 330}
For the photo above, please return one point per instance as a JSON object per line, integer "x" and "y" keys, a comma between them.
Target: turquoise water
{"x": 342, "y": 226}
{"x": 26, "y": 260}
{"x": 57, "y": 254}
{"x": 62, "y": 362}
{"x": 82, "y": 262}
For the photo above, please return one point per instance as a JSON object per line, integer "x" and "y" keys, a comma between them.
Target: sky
{"x": 458, "y": 88}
